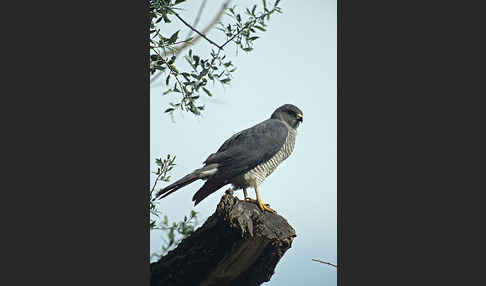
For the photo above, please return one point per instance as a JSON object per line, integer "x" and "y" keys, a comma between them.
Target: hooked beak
{"x": 300, "y": 118}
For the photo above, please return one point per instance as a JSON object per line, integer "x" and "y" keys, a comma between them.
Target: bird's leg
{"x": 247, "y": 199}
{"x": 263, "y": 207}
{"x": 245, "y": 193}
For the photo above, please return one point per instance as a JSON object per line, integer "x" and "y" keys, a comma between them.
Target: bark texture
{"x": 237, "y": 245}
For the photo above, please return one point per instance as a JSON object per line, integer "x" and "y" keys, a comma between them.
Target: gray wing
{"x": 242, "y": 152}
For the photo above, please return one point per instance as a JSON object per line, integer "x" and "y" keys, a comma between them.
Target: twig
{"x": 324, "y": 262}
{"x": 201, "y": 8}
{"x": 207, "y": 29}
{"x": 172, "y": 71}
{"x": 245, "y": 27}
{"x": 156, "y": 180}
{"x": 162, "y": 172}
{"x": 192, "y": 28}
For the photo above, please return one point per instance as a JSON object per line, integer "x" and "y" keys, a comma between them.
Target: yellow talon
{"x": 263, "y": 207}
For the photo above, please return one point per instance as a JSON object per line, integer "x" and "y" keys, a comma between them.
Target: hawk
{"x": 247, "y": 158}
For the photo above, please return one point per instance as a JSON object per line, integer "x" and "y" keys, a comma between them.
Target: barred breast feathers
{"x": 258, "y": 174}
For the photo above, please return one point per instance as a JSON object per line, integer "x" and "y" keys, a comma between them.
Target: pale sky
{"x": 295, "y": 61}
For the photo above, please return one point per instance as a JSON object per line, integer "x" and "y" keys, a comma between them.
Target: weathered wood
{"x": 237, "y": 245}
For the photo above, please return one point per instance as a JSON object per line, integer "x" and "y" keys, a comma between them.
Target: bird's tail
{"x": 186, "y": 180}
{"x": 208, "y": 188}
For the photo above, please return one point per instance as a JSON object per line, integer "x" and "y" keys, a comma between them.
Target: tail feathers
{"x": 201, "y": 173}
{"x": 208, "y": 188}
{"x": 186, "y": 180}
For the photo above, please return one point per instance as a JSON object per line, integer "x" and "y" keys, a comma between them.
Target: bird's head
{"x": 289, "y": 113}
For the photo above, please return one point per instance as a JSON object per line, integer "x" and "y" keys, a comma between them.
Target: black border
{"x": 409, "y": 143}
{"x": 80, "y": 144}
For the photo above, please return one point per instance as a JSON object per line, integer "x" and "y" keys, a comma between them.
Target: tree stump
{"x": 237, "y": 245}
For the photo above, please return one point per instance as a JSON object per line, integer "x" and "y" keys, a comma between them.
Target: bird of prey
{"x": 247, "y": 158}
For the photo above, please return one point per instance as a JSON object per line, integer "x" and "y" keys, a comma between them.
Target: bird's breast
{"x": 258, "y": 174}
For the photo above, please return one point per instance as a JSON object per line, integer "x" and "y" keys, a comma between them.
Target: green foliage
{"x": 243, "y": 32}
{"x": 164, "y": 166}
{"x": 176, "y": 232}
{"x": 214, "y": 67}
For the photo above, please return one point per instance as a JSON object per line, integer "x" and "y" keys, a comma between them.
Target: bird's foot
{"x": 255, "y": 202}
{"x": 265, "y": 207}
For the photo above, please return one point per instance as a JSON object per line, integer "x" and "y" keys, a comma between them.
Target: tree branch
{"x": 171, "y": 71}
{"x": 155, "y": 183}
{"x": 198, "y": 37}
{"x": 162, "y": 172}
{"x": 201, "y": 8}
{"x": 207, "y": 29}
{"x": 245, "y": 27}
{"x": 324, "y": 262}
{"x": 192, "y": 28}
